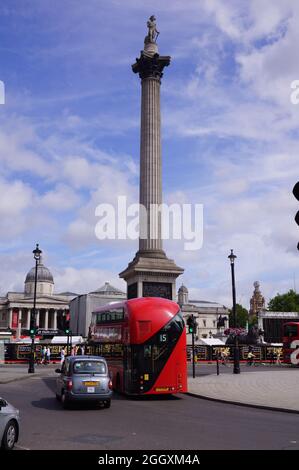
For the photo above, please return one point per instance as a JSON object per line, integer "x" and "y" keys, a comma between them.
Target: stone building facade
{"x": 211, "y": 317}
{"x": 82, "y": 306}
{"x": 52, "y": 310}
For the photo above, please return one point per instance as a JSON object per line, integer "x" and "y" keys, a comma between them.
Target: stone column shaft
{"x": 150, "y": 164}
{"x": 55, "y": 320}
{"x": 37, "y": 318}
{"x": 150, "y": 67}
{"x": 28, "y": 319}
{"x": 46, "y": 319}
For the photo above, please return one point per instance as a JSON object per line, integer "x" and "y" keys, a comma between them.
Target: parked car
{"x": 9, "y": 425}
{"x": 84, "y": 378}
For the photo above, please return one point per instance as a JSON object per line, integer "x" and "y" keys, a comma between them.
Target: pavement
{"x": 269, "y": 389}
{"x": 12, "y": 373}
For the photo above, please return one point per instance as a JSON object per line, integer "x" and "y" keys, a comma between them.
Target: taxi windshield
{"x": 89, "y": 367}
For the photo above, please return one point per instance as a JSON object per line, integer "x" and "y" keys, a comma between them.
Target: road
{"x": 171, "y": 423}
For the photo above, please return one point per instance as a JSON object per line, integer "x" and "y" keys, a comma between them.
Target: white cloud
{"x": 61, "y": 198}
{"x": 15, "y": 198}
{"x": 85, "y": 280}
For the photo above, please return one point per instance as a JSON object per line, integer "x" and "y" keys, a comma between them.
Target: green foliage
{"x": 252, "y": 321}
{"x": 288, "y": 302}
{"x": 241, "y": 314}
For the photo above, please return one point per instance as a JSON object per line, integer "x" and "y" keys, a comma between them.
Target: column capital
{"x": 150, "y": 66}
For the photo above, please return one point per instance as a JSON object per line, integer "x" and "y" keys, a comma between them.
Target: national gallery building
{"x": 52, "y": 310}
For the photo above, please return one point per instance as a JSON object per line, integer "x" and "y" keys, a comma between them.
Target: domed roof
{"x": 183, "y": 289}
{"x": 108, "y": 289}
{"x": 43, "y": 274}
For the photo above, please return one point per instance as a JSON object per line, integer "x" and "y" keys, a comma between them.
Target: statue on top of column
{"x": 153, "y": 33}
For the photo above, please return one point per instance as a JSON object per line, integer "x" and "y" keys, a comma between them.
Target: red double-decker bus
{"x": 291, "y": 343}
{"x": 144, "y": 343}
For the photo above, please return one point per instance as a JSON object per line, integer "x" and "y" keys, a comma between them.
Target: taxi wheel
{"x": 58, "y": 397}
{"x": 9, "y": 436}
{"x": 107, "y": 404}
{"x": 64, "y": 400}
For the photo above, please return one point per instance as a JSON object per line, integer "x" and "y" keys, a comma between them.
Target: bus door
{"x": 131, "y": 382}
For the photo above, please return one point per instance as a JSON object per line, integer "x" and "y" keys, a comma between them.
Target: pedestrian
{"x": 48, "y": 355}
{"x": 62, "y": 356}
{"x": 44, "y": 350}
{"x": 250, "y": 357}
{"x": 271, "y": 357}
{"x": 223, "y": 357}
{"x": 278, "y": 361}
{"x": 79, "y": 351}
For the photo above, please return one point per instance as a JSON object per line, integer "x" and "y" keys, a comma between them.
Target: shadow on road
{"x": 47, "y": 403}
{"x": 117, "y": 396}
{"x": 50, "y": 403}
{"x": 50, "y": 382}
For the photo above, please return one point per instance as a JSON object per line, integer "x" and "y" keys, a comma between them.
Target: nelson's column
{"x": 150, "y": 273}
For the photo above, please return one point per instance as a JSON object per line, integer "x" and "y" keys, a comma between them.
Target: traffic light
{"x": 296, "y": 194}
{"x": 192, "y": 324}
{"x": 32, "y": 331}
{"x": 67, "y": 331}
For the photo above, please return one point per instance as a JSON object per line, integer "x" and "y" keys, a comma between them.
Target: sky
{"x": 69, "y": 138}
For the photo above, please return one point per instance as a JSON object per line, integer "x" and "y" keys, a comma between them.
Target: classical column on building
{"x": 19, "y": 323}
{"x": 150, "y": 273}
{"x": 37, "y": 318}
{"x": 46, "y": 319}
{"x": 55, "y": 319}
{"x": 28, "y": 319}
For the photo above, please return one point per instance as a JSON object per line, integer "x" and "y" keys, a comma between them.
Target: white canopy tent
{"x": 63, "y": 340}
{"x": 211, "y": 342}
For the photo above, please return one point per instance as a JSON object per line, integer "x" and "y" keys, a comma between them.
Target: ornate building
{"x": 211, "y": 317}
{"x": 257, "y": 301}
{"x": 52, "y": 310}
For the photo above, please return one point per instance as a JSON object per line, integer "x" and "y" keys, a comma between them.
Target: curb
{"x": 248, "y": 405}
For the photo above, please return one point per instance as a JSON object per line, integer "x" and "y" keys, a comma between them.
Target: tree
{"x": 241, "y": 314}
{"x": 253, "y": 321}
{"x": 288, "y": 302}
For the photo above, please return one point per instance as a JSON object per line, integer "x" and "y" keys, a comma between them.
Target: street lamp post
{"x": 37, "y": 254}
{"x": 232, "y": 258}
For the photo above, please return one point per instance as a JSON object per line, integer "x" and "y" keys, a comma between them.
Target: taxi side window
{"x": 65, "y": 367}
